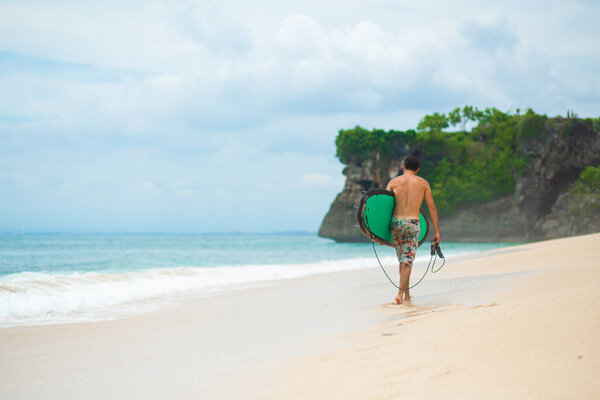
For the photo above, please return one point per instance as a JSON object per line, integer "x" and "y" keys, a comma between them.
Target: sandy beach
{"x": 518, "y": 322}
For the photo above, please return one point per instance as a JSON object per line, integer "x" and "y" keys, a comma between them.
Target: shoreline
{"x": 196, "y": 347}
{"x": 46, "y": 298}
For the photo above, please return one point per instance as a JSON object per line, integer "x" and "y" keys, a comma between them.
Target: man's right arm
{"x": 432, "y": 212}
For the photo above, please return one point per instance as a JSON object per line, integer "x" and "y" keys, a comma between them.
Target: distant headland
{"x": 512, "y": 177}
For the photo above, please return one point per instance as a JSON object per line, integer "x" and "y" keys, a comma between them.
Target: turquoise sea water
{"x": 65, "y": 277}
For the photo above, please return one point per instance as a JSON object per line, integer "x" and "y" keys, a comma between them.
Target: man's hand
{"x": 436, "y": 237}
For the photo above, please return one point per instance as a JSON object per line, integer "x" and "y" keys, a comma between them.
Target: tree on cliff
{"x": 434, "y": 122}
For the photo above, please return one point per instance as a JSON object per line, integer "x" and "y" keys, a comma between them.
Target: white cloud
{"x": 210, "y": 26}
{"x": 490, "y": 33}
{"x": 215, "y": 76}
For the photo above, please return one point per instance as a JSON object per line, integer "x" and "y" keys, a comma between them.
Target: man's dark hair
{"x": 412, "y": 163}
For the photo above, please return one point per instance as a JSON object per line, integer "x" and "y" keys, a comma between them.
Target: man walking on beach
{"x": 409, "y": 191}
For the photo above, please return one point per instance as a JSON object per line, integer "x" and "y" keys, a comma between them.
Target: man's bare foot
{"x": 399, "y": 298}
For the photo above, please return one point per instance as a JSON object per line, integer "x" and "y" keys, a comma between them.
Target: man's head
{"x": 411, "y": 163}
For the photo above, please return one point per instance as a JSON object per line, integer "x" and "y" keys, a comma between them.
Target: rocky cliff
{"x": 542, "y": 206}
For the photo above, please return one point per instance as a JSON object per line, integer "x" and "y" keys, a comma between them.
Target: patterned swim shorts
{"x": 405, "y": 233}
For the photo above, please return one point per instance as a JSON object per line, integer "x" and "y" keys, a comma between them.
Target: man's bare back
{"x": 409, "y": 191}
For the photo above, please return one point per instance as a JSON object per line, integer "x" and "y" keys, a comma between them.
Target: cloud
{"x": 303, "y": 69}
{"x": 490, "y": 33}
{"x": 225, "y": 80}
{"x": 210, "y": 26}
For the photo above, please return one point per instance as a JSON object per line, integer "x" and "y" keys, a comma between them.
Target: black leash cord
{"x": 441, "y": 266}
{"x": 429, "y": 264}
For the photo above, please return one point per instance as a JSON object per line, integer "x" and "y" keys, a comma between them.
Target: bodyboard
{"x": 375, "y": 216}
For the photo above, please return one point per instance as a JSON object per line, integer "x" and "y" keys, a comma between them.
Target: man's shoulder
{"x": 395, "y": 180}
{"x": 422, "y": 183}
{"x": 402, "y": 178}
{"x": 423, "y": 180}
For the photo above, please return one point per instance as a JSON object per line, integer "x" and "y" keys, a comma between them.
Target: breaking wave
{"x": 32, "y": 297}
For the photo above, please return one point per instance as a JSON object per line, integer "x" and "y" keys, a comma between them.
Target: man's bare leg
{"x": 403, "y": 293}
{"x": 405, "y": 270}
{"x": 400, "y": 294}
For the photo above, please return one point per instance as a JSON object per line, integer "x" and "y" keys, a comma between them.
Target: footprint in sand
{"x": 485, "y": 305}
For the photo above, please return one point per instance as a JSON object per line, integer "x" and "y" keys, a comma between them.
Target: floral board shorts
{"x": 405, "y": 233}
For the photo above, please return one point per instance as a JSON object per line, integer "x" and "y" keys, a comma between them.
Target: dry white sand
{"x": 483, "y": 328}
{"x": 539, "y": 340}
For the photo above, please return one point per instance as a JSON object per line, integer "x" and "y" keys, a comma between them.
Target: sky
{"x": 221, "y": 116}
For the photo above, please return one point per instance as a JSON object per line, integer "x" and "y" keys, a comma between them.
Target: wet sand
{"x": 520, "y": 322}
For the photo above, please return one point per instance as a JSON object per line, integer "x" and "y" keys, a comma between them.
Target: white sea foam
{"x": 30, "y": 297}
{"x": 34, "y": 298}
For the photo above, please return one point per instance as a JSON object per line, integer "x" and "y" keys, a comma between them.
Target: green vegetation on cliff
{"x": 464, "y": 166}
{"x": 585, "y": 202}
{"x": 589, "y": 181}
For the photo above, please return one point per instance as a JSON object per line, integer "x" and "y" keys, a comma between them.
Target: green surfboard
{"x": 375, "y": 215}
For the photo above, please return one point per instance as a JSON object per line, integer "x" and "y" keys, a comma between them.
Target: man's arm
{"x": 432, "y": 212}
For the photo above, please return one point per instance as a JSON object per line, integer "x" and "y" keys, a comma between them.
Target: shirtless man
{"x": 409, "y": 191}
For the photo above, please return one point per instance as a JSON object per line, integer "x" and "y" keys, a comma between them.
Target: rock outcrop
{"x": 541, "y": 207}
{"x": 340, "y": 223}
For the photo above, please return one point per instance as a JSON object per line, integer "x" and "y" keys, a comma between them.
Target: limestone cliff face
{"x": 542, "y": 206}
{"x": 542, "y": 193}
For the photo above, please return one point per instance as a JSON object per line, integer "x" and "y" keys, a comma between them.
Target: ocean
{"x": 55, "y": 278}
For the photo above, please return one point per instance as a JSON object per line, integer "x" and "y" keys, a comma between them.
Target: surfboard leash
{"x": 431, "y": 265}
{"x": 435, "y": 251}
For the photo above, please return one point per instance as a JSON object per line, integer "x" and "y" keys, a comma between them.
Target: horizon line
{"x": 218, "y": 233}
